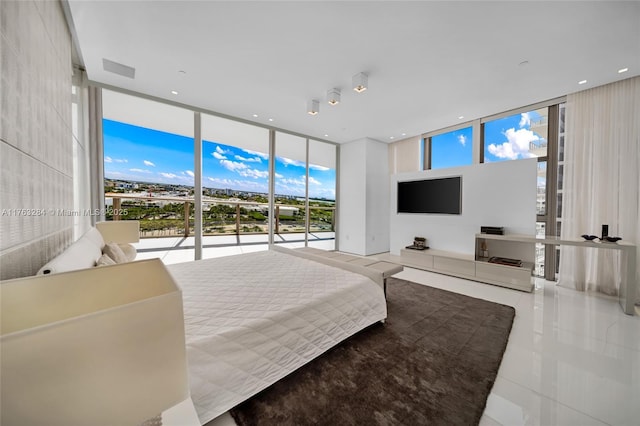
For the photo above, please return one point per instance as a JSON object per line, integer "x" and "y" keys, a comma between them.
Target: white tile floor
{"x": 572, "y": 358}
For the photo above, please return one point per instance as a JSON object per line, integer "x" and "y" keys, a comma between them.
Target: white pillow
{"x": 105, "y": 261}
{"x": 114, "y": 251}
{"x": 80, "y": 255}
{"x": 129, "y": 251}
{"x": 95, "y": 236}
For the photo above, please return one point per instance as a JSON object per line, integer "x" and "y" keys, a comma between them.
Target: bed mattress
{"x": 252, "y": 319}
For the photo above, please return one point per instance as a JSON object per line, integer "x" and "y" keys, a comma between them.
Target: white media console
{"x": 522, "y": 247}
{"x": 475, "y": 267}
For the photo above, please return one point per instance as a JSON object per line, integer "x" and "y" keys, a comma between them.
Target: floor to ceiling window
{"x": 151, "y": 170}
{"x": 322, "y": 195}
{"x": 290, "y": 189}
{"x": 235, "y": 183}
{"x": 148, "y": 166}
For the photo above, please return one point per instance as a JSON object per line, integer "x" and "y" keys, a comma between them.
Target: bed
{"x": 252, "y": 319}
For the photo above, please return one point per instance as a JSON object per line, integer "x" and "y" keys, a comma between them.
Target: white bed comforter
{"x": 252, "y": 319}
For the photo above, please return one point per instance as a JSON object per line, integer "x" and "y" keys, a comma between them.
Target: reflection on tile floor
{"x": 572, "y": 358}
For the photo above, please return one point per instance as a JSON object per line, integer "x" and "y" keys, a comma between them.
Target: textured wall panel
{"x": 36, "y": 146}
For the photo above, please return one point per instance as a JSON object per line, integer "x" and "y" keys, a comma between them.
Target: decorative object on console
{"x": 589, "y": 237}
{"x": 611, "y": 239}
{"x": 484, "y": 252}
{"x": 494, "y": 230}
{"x": 419, "y": 243}
{"x": 506, "y": 261}
{"x": 605, "y": 231}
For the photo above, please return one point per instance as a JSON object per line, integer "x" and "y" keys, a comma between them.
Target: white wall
{"x": 363, "y": 217}
{"x": 36, "y": 142}
{"x": 493, "y": 194}
{"x": 377, "y": 213}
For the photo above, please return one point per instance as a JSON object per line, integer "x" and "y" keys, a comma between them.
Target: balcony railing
{"x": 162, "y": 216}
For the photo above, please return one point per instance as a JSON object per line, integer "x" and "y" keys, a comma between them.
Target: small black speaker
{"x": 605, "y": 231}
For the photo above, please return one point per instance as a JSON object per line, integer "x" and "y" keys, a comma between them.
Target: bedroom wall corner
{"x": 36, "y": 143}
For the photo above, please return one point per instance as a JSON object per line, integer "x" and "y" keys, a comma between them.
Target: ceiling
{"x": 428, "y": 62}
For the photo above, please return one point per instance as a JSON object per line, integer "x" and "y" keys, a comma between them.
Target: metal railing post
{"x": 186, "y": 218}
{"x": 238, "y": 219}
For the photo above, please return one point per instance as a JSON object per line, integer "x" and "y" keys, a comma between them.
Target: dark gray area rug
{"x": 433, "y": 362}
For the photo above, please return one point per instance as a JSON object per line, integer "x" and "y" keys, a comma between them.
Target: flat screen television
{"x": 440, "y": 196}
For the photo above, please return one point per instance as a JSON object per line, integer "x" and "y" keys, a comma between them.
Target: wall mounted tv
{"x": 441, "y": 196}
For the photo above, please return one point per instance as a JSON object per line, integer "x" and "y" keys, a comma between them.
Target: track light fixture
{"x": 333, "y": 96}
{"x": 359, "y": 82}
{"x": 313, "y": 107}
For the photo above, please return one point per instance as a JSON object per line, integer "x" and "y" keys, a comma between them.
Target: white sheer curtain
{"x": 601, "y": 182}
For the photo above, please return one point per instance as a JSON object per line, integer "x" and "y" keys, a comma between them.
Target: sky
{"x": 505, "y": 139}
{"x": 145, "y": 155}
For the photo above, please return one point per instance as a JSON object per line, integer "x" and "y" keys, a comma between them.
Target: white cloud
{"x": 319, "y": 168}
{"x": 462, "y": 139}
{"x": 233, "y": 166}
{"x": 249, "y": 160}
{"x": 286, "y": 189}
{"x": 253, "y": 173}
{"x": 516, "y": 146}
{"x": 108, "y": 159}
{"x": 219, "y": 181}
{"x": 148, "y": 163}
{"x": 218, "y": 156}
{"x": 278, "y": 176}
{"x": 525, "y": 120}
{"x": 298, "y": 182}
{"x": 190, "y": 173}
{"x": 288, "y": 161}
{"x": 222, "y": 151}
{"x": 139, "y": 170}
{"x": 256, "y": 153}
{"x": 169, "y": 175}
{"x": 241, "y": 185}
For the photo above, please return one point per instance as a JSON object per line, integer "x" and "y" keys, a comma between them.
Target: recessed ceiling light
{"x": 404, "y": 134}
{"x": 255, "y": 115}
{"x": 326, "y": 136}
{"x": 173, "y": 92}
{"x": 391, "y": 137}
{"x": 460, "y": 117}
{"x": 620, "y": 71}
{"x": 271, "y": 119}
{"x": 582, "y": 81}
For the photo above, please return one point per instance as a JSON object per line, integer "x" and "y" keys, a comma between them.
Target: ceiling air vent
{"x": 119, "y": 69}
